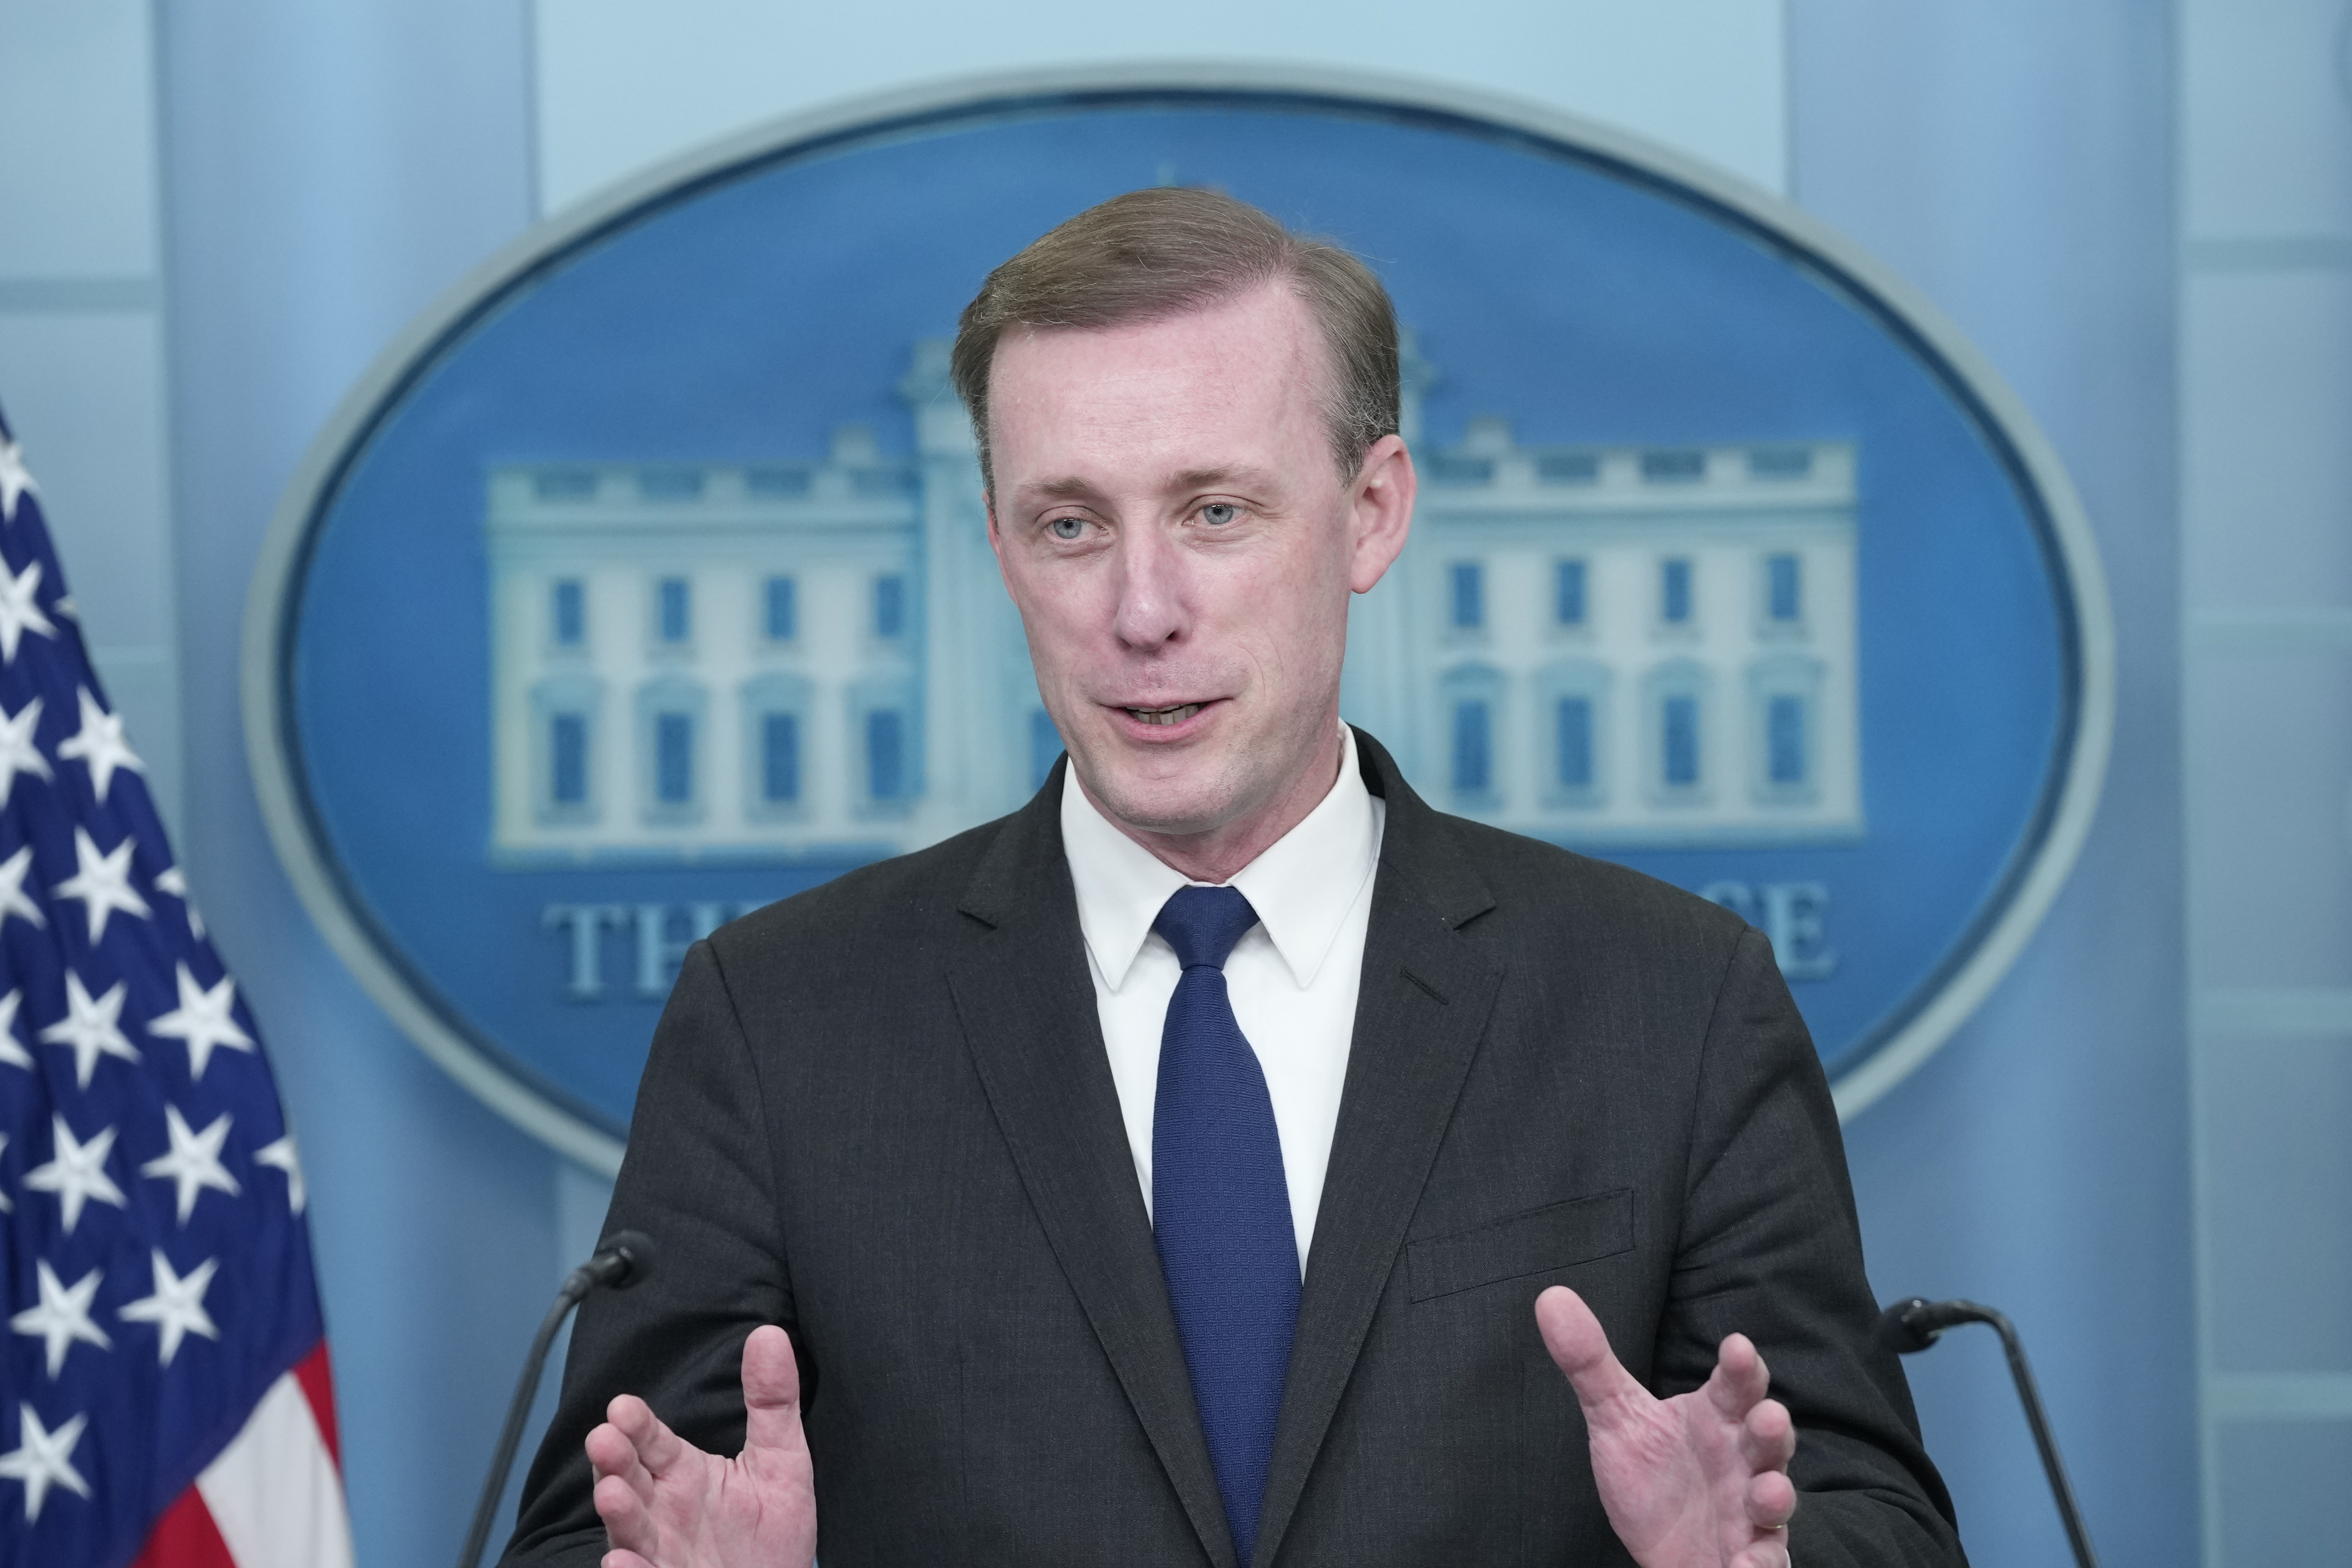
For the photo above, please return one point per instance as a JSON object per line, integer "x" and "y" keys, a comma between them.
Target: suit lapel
{"x": 1027, "y": 1005}
{"x": 1419, "y": 1013}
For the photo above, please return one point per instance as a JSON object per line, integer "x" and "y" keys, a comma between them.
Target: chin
{"x": 1195, "y": 801}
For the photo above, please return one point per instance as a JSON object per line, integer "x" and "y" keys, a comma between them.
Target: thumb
{"x": 771, "y": 1391}
{"x": 1580, "y": 1347}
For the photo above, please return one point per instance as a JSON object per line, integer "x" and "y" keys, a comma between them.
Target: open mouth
{"x": 1175, "y": 715}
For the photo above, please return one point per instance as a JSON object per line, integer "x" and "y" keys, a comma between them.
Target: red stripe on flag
{"x": 185, "y": 1537}
{"x": 319, "y": 1387}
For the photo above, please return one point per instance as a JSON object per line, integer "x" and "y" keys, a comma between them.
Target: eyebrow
{"x": 1072, "y": 488}
{"x": 1217, "y": 479}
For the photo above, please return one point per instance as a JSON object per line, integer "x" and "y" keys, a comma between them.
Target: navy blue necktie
{"x": 1221, "y": 1207}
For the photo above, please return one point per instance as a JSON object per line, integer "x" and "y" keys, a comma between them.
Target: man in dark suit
{"x": 1220, "y": 1159}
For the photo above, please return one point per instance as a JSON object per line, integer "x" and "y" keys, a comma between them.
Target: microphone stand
{"x": 1910, "y": 1326}
{"x": 618, "y": 1264}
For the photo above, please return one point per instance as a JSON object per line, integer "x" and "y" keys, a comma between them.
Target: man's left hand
{"x": 1700, "y": 1480}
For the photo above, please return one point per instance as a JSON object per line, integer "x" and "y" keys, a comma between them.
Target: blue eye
{"x": 1067, "y": 528}
{"x": 1217, "y": 513}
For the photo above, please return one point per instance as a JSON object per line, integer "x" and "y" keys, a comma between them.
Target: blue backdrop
{"x": 330, "y": 170}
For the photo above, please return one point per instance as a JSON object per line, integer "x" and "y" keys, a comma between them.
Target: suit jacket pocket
{"x": 1558, "y": 1236}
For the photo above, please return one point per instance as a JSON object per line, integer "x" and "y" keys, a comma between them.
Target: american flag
{"x": 164, "y": 1398}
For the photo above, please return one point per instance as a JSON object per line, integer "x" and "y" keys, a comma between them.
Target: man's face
{"x": 1181, "y": 546}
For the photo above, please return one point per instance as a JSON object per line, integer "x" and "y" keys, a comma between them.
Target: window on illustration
{"x": 567, "y": 752}
{"x": 1783, "y": 590}
{"x": 1466, "y": 606}
{"x": 1568, "y": 592}
{"x": 886, "y": 753}
{"x": 570, "y": 615}
{"x": 674, "y": 610}
{"x": 1679, "y": 742}
{"x": 674, "y": 758}
{"x": 781, "y": 608}
{"x": 780, "y": 758}
{"x": 1675, "y": 591}
{"x": 1784, "y": 737}
{"x": 1573, "y": 720}
{"x": 1474, "y": 747}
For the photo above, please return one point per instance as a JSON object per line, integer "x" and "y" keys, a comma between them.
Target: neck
{"x": 1215, "y": 855}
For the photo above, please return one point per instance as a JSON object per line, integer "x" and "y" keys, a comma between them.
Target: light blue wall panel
{"x": 623, "y": 83}
{"x": 77, "y": 141}
{"x": 2266, "y": 378}
{"x": 2262, "y": 93}
{"x": 84, "y": 389}
{"x": 85, "y": 392}
{"x": 2267, "y": 396}
{"x": 2270, "y": 785}
{"x": 329, "y": 170}
{"x": 2275, "y": 1113}
{"x": 2283, "y": 1490}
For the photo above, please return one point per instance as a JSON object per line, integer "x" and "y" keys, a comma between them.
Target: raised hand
{"x": 1700, "y": 1480}
{"x": 667, "y": 1504}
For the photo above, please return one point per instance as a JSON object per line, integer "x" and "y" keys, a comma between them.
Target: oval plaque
{"x": 644, "y": 581}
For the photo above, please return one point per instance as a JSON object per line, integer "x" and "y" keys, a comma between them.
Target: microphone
{"x": 625, "y": 1257}
{"x": 1909, "y": 1326}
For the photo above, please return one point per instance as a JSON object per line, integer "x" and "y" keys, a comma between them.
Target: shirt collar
{"x": 1302, "y": 886}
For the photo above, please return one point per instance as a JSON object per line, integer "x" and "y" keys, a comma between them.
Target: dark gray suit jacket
{"x": 881, "y": 1114}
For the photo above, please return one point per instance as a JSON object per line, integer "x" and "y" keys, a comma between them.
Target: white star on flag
{"x": 173, "y": 880}
{"x": 177, "y": 1306}
{"x": 12, "y": 1050}
{"x": 63, "y": 1316}
{"x": 43, "y": 1458}
{"x": 194, "y": 1161}
{"x": 77, "y": 1172}
{"x": 7, "y": 1205}
{"x": 284, "y": 1157}
{"x": 14, "y": 479}
{"x": 100, "y": 744}
{"x": 19, "y": 610}
{"x": 103, "y": 883}
{"x": 202, "y": 1020}
{"x": 88, "y": 1026}
{"x": 19, "y": 751}
{"x": 12, "y": 901}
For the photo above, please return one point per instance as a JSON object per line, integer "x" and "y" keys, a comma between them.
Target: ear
{"x": 1380, "y": 510}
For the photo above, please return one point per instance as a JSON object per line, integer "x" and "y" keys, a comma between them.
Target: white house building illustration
{"x": 815, "y": 658}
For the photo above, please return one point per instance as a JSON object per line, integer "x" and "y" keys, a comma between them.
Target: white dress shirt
{"x": 1292, "y": 977}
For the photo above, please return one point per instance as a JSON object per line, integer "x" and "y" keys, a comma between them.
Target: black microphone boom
{"x": 625, "y": 1257}
{"x": 1909, "y": 1326}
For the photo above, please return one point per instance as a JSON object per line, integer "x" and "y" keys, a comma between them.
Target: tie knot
{"x": 1203, "y": 924}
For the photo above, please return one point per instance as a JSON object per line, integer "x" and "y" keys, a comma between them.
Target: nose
{"x": 1151, "y": 598}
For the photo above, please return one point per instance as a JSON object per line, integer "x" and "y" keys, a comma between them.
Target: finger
{"x": 612, "y": 1454}
{"x": 623, "y": 1560}
{"x": 1580, "y": 1348}
{"x": 1771, "y": 1500}
{"x": 772, "y": 1391}
{"x": 657, "y": 1447}
{"x": 628, "y": 1522}
{"x": 1740, "y": 1379}
{"x": 1771, "y": 1553}
{"x": 1767, "y": 1438}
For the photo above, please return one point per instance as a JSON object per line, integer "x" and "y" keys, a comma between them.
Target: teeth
{"x": 1176, "y": 715}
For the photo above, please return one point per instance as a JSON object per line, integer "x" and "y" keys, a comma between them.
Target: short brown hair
{"x": 1152, "y": 255}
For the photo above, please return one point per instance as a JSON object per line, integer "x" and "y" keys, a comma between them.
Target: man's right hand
{"x": 667, "y": 1504}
